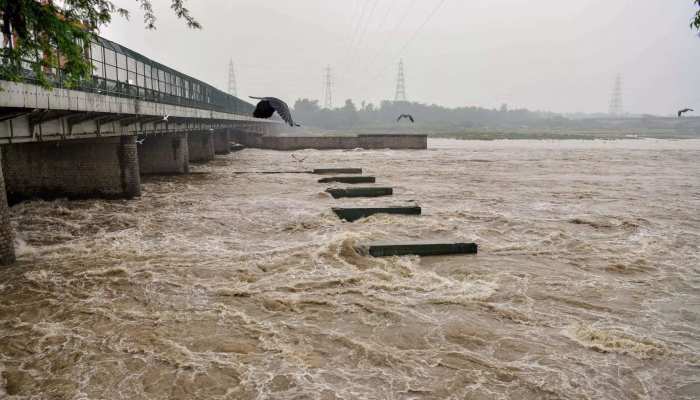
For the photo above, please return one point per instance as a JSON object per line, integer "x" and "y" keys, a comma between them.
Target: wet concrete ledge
{"x": 355, "y": 213}
{"x": 338, "y": 193}
{"x": 387, "y": 249}
{"x": 348, "y": 179}
{"x": 324, "y": 171}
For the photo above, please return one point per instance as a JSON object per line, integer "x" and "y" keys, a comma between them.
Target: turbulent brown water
{"x": 219, "y": 285}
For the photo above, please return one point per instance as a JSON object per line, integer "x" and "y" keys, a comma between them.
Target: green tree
{"x": 695, "y": 23}
{"x": 48, "y": 35}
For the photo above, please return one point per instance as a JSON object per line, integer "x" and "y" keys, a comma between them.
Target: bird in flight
{"x": 683, "y": 111}
{"x": 165, "y": 117}
{"x": 140, "y": 141}
{"x": 409, "y": 116}
{"x": 299, "y": 159}
{"x": 268, "y": 105}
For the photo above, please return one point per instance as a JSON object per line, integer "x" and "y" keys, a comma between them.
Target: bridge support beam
{"x": 167, "y": 154}
{"x": 101, "y": 167}
{"x": 7, "y": 249}
{"x": 201, "y": 146}
{"x": 222, "y": 144}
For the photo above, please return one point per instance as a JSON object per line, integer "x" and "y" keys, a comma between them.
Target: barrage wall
{"x": 393, "y": 141}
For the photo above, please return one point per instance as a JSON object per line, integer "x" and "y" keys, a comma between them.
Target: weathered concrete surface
{"x": 7, "y": 239}
{"x": 222, "y": 143}
{"x": 164, "y": 154}
{"x": 338, "y": 193}
{"x": 106, "y": 167}
{"x": 353, "y": 214}
{"x": 399, "y": 142}
{"x": 348, "y": 179}
{"x": 323, "y": 171}
{"x": 419, "y": 248}
{"x": 200, "y": 146}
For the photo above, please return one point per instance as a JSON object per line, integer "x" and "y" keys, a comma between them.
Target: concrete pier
{"x": 338, "y": 193}
{"x": 166, "y": 154}
{"x": 222, "y": 143}
{"x": 201, "y": 146}
{"x": 101, "y": 167}
{"x": 353, "y": 214}
{"x": 348, "y": 179}
{"x": 420, "y": 249}
{"x": 7, "y": 250}
{"x": 325, "y": 171}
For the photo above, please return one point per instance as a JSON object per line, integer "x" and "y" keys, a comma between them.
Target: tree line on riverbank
{"x": 437, "y": 119}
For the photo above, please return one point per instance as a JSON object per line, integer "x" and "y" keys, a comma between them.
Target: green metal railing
{"x": 119, "y": 71}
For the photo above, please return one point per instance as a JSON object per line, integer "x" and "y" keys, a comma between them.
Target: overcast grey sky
{"x": 558, "y": 55}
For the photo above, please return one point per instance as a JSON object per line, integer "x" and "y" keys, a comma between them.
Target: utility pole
{"x": 328, "y": 91}
{"x": 232, "y": 90}
{"x": 616, "y": 108}
{"x": 400, "y": 84}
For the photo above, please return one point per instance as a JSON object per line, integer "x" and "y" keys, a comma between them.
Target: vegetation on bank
{"x": 482, "y": 123}
{"x": 49, "y": 37}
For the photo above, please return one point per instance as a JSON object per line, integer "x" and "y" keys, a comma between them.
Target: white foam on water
{"x": 223, "y": 285}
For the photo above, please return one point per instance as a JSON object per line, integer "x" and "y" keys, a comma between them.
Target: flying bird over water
{"x": 268, "y": 105}
{"x": 409, "y": 116}
{"x": 683, "y": 111}
{"x": 299, "y": 159}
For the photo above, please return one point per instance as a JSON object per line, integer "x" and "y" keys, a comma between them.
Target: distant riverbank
{"x": 523, "y": 133}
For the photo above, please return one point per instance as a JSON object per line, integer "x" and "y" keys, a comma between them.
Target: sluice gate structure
{"x": 134, "y": 116}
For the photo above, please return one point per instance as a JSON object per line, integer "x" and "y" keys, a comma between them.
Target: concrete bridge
{"x": 134, "y": 117}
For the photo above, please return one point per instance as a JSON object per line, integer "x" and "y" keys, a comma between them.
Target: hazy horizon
{"x": 550, "y": 56}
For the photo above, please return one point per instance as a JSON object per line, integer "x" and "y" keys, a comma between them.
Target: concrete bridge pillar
{"x": 7, "y": 249}
{"x": 201, "y": 146}
{"x": 222, "y": 145}
{"x": 167, "y": 154}
{"x": 100, "y": 167}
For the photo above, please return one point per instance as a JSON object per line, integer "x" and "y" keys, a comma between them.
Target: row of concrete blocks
{"x": 385, "y": 249}
{"x": 101, "y": 167}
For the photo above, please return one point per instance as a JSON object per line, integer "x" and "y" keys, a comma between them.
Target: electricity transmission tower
{"x": 328, "y": 91}
{"x": 616, "y": 98}
{"x": 232, "y": 79}
{"x": 400, "y": 84}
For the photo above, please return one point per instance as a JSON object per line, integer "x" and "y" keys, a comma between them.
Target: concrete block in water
{"x": 360, "y": 192}
{"x": 419, "y": 249}
{"x": 322, "y": 171}
{"x": 353, "y": 214}
{"x": 348, "y": 179}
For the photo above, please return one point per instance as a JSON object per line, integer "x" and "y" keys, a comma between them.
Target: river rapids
{"x": 227, "y": 285}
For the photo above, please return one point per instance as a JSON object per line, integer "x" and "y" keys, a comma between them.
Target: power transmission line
{"x": 411, "y": 38}
{"x": 367, "y": 24}
{"x": 372, "y": 60}
{"x": 420, "y": 28}
{"x": 359, "y": 22}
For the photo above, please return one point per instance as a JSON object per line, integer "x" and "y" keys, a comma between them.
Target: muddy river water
{"x": 218, "y": 285}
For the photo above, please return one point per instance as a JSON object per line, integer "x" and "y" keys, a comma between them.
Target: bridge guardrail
{"x": 119, "y": 71}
